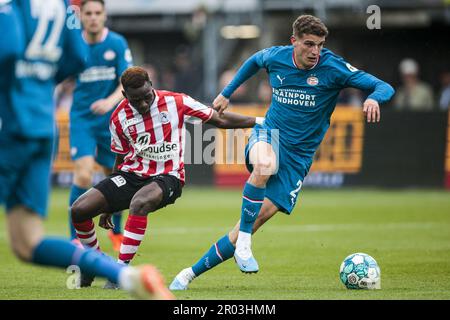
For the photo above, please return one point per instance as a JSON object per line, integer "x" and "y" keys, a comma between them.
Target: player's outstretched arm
{"x": 229, "y": 120}
{"x": 380, "y": 92}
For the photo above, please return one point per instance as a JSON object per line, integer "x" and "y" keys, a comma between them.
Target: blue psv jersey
{"x": 47, "y": 43}
{"x": 107, "y": 60}
{"x": 303, "y": 100}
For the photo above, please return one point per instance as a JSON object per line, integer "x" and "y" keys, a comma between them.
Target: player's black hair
{"x": 307, "y": 24}
{"x": 134, "y": 77}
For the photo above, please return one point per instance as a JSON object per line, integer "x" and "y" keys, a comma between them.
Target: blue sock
{"x": 62, "y": 253}
{"x": 252, "y": 200}
{"x": 117, "y": 221}
{"x": 75, "y": 193}
{"x": 219, "y": 252}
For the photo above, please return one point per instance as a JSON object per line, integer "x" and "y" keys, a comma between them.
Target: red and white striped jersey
{"x": 153, "y": 144}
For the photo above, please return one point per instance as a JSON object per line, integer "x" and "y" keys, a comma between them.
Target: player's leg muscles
{"x": 264, "y": 161}
{"x": 89, "y": 205}
{"x": 25, "y": 231}
{"x": 146, "y": 200}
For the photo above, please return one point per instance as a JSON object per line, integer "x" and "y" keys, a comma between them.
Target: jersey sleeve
{"x": 119, "y": 143}
{"x": 349, "y": 76}
{"x": 124, "y": 57}
{"x": 193, "y": 108}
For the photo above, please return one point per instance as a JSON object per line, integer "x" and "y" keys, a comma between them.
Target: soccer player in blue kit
{"x": 37, "y": 51}
{"x": 306, "y": 80}
{"x": 97, "y": 92}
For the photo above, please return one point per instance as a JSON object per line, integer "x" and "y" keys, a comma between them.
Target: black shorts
{"x": 120, "y": 187}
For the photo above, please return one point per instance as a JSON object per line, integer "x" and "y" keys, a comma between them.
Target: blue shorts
{"x": 283, "y": 187}
{"x": 25, "y": 168}
{"x": 88, "y": 139}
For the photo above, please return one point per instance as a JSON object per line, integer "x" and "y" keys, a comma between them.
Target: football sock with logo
{"x": 219, "y": 252}
{"x": 117, "y": 221}
{"x": 132, "y": 237}
{"x": 252, "y": 200}
{"x": 75, "y": 193}
{"x": 62, "y": 253}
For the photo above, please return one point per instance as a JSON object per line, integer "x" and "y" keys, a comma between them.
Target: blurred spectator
{"x": 153, "y": 74}
{"x": 188, "y": 76}
{"x": 241, "y": 93}
{"x": 414, "y": 94}
{"x": 444, "y": 100}
{"x": 195, "y": 26}
{"x": 168, "y": 79}
{"x": 64, "y": 95}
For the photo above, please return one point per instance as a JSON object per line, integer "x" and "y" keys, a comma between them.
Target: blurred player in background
{"x": 306, "y": 80}
{"x": 37, "y": 51}
{"x": 148, "y": 134}
{"x": 97, "y": 92}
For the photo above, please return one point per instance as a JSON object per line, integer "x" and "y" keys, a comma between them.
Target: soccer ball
{"x": 360, "y": 271}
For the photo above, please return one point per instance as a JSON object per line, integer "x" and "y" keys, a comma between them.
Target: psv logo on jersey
{"x": 109, "y": 55}
{"x": 312, "y": 81}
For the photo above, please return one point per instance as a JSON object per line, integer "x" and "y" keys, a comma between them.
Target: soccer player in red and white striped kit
{"x": 147, "y": 134}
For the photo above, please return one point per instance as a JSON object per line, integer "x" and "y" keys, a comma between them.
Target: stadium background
{"x": 380, "y": 189}
{"x": 196, "y": 46}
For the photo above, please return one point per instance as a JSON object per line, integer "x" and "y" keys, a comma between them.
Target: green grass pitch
{"x": 407, "y": 232}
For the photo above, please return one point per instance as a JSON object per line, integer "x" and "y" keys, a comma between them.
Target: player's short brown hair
{"x": 134, "y": 77}
{"x": 84, "y": 2}
{"x": 307, "y": 24}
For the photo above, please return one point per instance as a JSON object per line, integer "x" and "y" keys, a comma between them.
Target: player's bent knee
{"x": 79, "y": 210}
{"x": 141, "y": 207}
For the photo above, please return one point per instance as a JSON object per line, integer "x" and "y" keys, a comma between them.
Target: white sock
{"x": 243, "y": 244}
